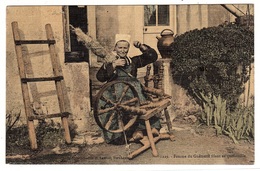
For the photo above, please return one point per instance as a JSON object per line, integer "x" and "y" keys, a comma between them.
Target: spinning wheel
{"x": 117, "y": 106}
{"x": 114, "y": 106}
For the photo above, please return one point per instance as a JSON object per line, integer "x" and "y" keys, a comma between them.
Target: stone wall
{"x": 107, "y": 25}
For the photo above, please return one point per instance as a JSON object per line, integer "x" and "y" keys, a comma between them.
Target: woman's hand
{"x": 139, "y": 45}
{"x": 118, "y": 62}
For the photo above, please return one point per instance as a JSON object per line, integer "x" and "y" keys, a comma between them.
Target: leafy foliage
{"x": 213, "y": 60}
{"x": 48, "y": 135}
{"x": 17, "y": 137}
{"x": 240, "y": 123}
{"x": 213, "y": 65}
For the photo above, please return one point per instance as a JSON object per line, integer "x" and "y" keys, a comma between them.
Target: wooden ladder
{"x": 58, "y": 78}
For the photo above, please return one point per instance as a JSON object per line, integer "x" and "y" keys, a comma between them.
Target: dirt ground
{"x": 193, "y": 144}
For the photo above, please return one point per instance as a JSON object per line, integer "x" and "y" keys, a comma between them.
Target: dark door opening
{"x": 77, "y": 17}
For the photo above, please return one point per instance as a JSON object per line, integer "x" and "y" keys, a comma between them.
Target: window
{"x": 156, "y": 15}
{"x": 77, "y": 17}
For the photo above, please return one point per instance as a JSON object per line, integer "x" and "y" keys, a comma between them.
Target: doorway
{"x": 77, "y": 17}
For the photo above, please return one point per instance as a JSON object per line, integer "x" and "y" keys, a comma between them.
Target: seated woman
{"x": 125, "y": 68}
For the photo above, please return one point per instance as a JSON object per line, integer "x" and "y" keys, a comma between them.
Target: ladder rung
{"x": 19, "y": 42}
{"x": 55, "y": 115}
{"x": 58, "y": 78}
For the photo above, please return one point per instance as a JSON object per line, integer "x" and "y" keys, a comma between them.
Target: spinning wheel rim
{"x": 115, "y": 107}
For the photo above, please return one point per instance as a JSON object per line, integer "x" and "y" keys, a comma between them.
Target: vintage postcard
{"x": 169, "y": 84}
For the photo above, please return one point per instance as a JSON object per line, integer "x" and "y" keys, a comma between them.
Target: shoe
{"x": 138, "y": 135}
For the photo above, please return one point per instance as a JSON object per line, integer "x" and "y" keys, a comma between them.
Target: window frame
{"x": 154, "y": 29}
{"x": 70, "y": 55}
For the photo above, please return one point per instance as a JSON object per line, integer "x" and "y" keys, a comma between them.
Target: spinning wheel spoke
{"x": 129, "y": 102}
{"x": 104, "y": 111}
{"x": 109, "y": 122}
{"x": 107, "y": 100}
{"x": 123, "y": 93}
{"x": 114, "y": 106}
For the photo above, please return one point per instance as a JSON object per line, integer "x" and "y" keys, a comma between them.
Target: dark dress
{"x": 128, "y": 73}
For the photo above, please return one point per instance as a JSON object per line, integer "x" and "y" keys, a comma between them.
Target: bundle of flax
{"x": 93, "y": 45}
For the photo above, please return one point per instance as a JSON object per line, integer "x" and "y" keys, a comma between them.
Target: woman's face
{"x": 122, "y": 48}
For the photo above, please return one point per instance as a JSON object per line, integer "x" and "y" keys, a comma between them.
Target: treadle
{"x": 146, "y": 143}
{"x": 57, "y": 78}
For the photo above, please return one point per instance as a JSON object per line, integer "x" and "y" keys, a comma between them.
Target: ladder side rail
{"x": 24, "y": 86}
{"x": 57, "y": 72}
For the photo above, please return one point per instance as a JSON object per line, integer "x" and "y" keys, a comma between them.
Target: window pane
{"x": 149, "y": 15}
{"x": 163, "y": 15}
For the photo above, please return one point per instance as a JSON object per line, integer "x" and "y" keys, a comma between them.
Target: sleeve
{"x": 149, "y": 55}
{"x": 105, "y": 73}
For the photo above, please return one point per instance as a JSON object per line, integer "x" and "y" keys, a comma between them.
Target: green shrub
{"x": 213, "y": 60}
{"x": 48, "y": 135}
{"x": 213, "y": 65}
{"x": 17, "y": 137}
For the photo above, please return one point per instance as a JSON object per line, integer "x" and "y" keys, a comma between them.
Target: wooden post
{"x": 24, "y": 86}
